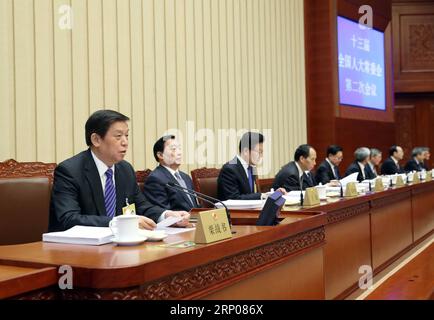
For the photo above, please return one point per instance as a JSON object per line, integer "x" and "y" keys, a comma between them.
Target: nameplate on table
{"x": 212, "y": 226}
{"x": 399, "y": 181}
{"x": 416, "y": 178}
{"x": 311, "y": 197}
{"x": 351, "y": 190}
{"x": 378, "y": 185}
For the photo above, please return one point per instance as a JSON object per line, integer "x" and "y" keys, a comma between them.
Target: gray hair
{"x": 418, "y": 150}
{"x": 375, "y": 152}
{"x": 361, "y": 154}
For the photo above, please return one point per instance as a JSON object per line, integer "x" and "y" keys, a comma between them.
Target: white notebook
{"x": 94, "y": 236}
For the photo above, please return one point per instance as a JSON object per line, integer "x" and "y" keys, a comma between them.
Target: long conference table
{"x": 317, "y": 253}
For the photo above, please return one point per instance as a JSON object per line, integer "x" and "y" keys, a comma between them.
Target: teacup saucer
{"x": 131, "y": 242}
{"x": 153, "y": 235}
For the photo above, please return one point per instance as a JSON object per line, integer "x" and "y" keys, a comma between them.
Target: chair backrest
{"x": 264, "y": 185}
{"x": 24, "y": 209}
{"x": 141, "y": 177}
{"x": 25, "y": 190}
{"x": 205, "y": 181}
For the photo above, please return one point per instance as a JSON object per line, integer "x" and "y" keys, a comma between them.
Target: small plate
{"x": 333, "y": 194}
{"x": 153, "y": 235}
{"x": 133, "y": 242}
{"x": 291, "y": 202}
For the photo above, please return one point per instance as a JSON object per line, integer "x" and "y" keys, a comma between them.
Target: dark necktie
{"x": 251, "y": 180}
{"x": 184, "y": 185}
{"x": 309, "y": 179}
{"x": 110, "y": 194}
{"x": 335, "y": 169}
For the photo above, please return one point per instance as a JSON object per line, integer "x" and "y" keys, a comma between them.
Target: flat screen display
{"x": 361, "y": 66}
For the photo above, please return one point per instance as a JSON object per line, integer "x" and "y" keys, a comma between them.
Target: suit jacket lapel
{"x": 331, "y": 169}
{"x": 120, "y": 190}
{"x": 172, "y": 178}
{"x": 94, "y": 180}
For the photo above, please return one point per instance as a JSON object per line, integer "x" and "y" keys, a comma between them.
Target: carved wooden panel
{"x": 13, "y": 169}
{"x": 201, "y": 278}
{"x": 418, "y": 42}
{"x": 345, "y": 213}
{"x": 413, "y": 37}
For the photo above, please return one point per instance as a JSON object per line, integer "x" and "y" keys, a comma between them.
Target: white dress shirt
{"x": 362, "y": 167}
{"x": 245, "y": 165}
{"x": 102, "y": 168}
{"x": 332, "y": 166}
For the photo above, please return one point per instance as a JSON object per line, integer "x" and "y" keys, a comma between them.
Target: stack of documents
{"x": 94, "y": 236}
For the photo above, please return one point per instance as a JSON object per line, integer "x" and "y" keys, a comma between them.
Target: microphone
{"x": 201, "y": 196}
{"x": 301, "y": 189}
{"x": 342, "y": 189}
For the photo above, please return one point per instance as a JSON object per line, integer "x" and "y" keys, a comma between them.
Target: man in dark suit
{"x": 374, "y": 161}
{"x": 391, "y": 164}
{"x": 416, "y": 162}
{"x": 237, "y": 178}
{"x": 426, "y": 158}
{"x": 328, "y": 170}
{"x": 168, "y": 153}
{"x": 297, "y": 173}
{"x": 92, "y": 187}
{"x": 361, "y": 156}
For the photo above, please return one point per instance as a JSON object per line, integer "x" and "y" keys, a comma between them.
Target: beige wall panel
{"x": 110, "y": 58}
{"x": 80, "y": 73}
{"x": 206, "y": 68}
{"x": 25, "y": 102}
{"x": 124, "y": 63}
{"x": 137, "y": 127}
{"x": 7, "y": 80}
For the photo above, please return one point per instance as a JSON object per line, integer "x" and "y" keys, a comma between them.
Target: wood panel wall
{"x": 328, "y": 122}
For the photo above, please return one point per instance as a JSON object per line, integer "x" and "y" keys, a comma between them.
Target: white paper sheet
{"x": 242, "y": 204}
{"x": 351, "y": 178}
{"x": 172, "y": 230}
{"x": 168, "y": 222}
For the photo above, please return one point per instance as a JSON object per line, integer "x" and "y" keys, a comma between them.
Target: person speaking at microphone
{"x": 168, "y": 154}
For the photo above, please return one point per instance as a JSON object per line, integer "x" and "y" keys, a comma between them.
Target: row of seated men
{"x": 95, "y": 185}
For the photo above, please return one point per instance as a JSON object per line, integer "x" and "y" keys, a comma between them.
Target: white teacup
{"x": 125, "y": 227}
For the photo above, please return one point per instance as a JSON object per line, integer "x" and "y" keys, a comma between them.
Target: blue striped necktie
{"x": 110, "y": 194}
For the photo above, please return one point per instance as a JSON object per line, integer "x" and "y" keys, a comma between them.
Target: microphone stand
{"x": 341, "y": 190}
{"x": 301, "y": 190}
{"x": 202, "y": 196}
